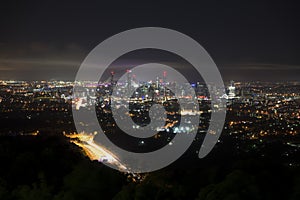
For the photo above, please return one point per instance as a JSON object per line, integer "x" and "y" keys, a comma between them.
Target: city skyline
{"x": 100, "y": 100}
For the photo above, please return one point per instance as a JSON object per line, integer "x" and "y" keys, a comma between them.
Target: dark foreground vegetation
{"x": 47, "y": 167}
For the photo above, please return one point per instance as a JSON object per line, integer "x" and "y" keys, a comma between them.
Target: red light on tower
{"x": 164, "y": 73}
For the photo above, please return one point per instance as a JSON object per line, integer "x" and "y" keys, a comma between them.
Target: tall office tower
{"x": 112, "y": 73}
{"x": 231, "y": 88}
{"x": 129, "y": 77}
{"x": 164, "y": 77}
{"x": 157, "y": 82}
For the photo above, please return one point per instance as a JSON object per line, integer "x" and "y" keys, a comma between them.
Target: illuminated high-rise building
{"x": 164, "y": 77}
{"x": 112, "y": 73}
{"x": 129, "y": 77}
{"x": 231, "y": 88}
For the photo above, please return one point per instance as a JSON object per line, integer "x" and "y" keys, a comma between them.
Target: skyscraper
{"x": 231, "y": 88}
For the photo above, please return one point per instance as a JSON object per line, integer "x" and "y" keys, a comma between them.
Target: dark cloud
{"x": 40, "y": 61}
{"x": 50, "y": 39}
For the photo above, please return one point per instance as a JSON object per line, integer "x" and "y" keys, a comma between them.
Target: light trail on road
{"x": 96, "y": 152}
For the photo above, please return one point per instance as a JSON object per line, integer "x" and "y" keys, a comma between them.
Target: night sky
{"x": 49, "y": 40}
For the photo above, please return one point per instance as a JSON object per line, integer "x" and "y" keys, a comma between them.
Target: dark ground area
{"x": 47, "y": 166}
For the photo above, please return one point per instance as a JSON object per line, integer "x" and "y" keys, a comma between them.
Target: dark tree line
{"x": 51, "y": 168}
